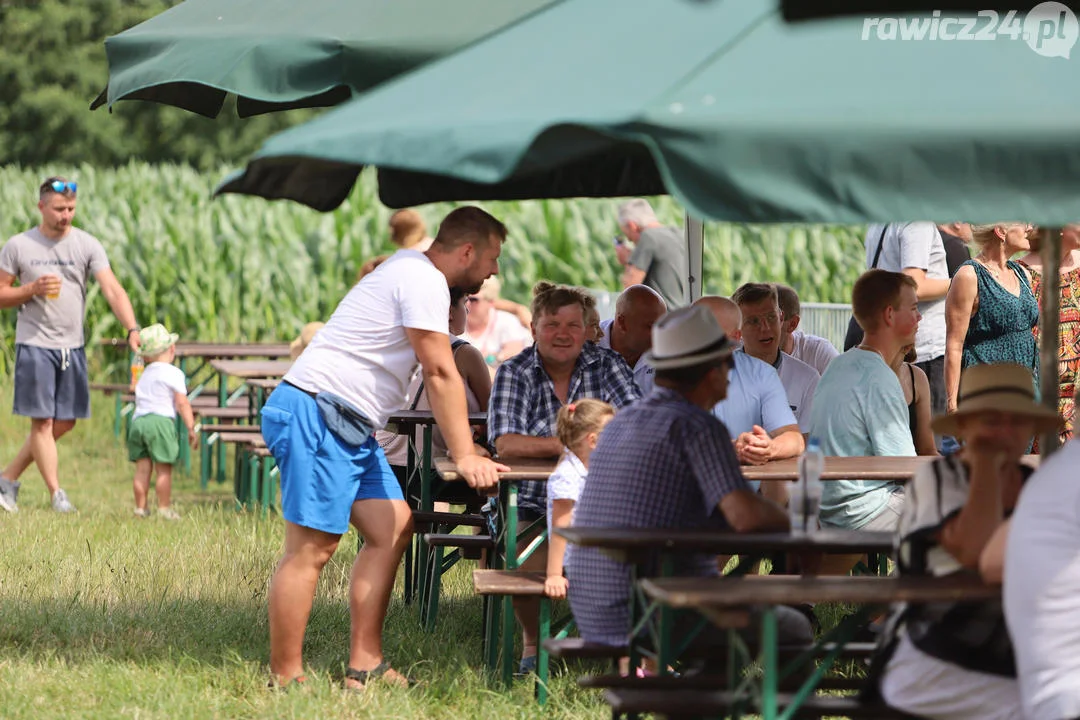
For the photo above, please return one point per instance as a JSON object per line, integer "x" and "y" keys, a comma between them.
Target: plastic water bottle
{"x": 137, "y": 366}
{"x": 804, "y": 501}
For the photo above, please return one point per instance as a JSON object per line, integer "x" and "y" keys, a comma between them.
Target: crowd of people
{"x": 651, "y": 414}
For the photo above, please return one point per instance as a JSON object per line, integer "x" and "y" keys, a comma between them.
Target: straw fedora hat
{"x": 686, "y": 337}
{"x": 999, "y": 387}
{"x": 306, "y": 335}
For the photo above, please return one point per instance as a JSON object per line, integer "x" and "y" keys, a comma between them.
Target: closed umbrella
{"x": 282, "y": 54}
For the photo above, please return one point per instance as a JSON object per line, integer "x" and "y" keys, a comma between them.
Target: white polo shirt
{"x": 799, "y": 381}
{"x": 363, "y": 354}
{"x": 643, "y": 371}
{"x": 817, "y": 352}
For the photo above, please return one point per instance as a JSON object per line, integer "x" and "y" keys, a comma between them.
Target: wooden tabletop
{"x": 721, "y": 593}
{"x": 416, "y": 418}
{"x": 252, "y": 368}
{"x": 218, "y": 350}
{"x": 264, "y": 383}
{"x": 521, "y": 469}
{"x": 626, "y": 544}
{"x": 842, "y": 468}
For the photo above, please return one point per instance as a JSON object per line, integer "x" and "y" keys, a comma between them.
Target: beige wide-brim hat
{"x": 306, "y": 335}
{"x": 1000, "y": 387}
{"x": 686, "y": 337}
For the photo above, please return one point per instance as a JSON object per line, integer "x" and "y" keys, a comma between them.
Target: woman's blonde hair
{"x": 577, "y": 419}
{"x": 981, "y": 235}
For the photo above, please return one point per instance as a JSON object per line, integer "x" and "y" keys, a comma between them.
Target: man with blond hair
{"x": 658, "y": 257}
{"x": 859, "y": 407}
{"x": 53, "y": 264}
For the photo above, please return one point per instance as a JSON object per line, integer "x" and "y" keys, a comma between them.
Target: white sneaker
{"x": 142, "y": 513}
{"x": 60, "y": 502}
{"x": 9, "y": 495}
{"x": 167, "y": 513}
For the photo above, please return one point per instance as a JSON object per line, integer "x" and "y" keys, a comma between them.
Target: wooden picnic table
{"x": 248, "y": 369}
{"x": 264, "y": 383}
{"x": 217, "y": 349}
{"x": 842, "y": 468}
{"x": 632, "y": 544}
{"x": 521, "y": 469}
{"x": 718, "y": 598}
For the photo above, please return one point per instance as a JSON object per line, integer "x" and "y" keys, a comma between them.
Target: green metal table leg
{"x": 541, "y": 686}
{"x": 223, "y": 401}
{"x": 770, "y": 670}
{"x": 117, "y": 420}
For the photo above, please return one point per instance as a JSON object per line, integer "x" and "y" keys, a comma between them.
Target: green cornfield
{"x": 239, "y": 268}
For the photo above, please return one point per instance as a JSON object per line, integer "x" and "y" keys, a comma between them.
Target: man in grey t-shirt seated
{"x": 658, "y": 257}
{"x": 53, "y": 263}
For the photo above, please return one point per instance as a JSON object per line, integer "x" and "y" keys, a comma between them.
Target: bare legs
{"x": 162, "y": 487}
{"x": 386, "y": 526}
{"x": 40, "y": 448}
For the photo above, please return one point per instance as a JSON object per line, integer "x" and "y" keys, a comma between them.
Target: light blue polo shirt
{"x": 755, "y": 396}
{"x": 859, "y": 410}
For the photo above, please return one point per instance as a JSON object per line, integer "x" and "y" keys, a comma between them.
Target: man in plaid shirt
{"x": 528, "y": 391}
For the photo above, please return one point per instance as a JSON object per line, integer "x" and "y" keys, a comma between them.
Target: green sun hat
{"x": 156, "y": 339}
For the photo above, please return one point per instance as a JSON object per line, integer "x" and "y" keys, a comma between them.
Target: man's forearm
{"x": 513, "y": 445}
{"x": 11, "y": 297}
{"x": 788, "y": 445}
{"x": 121, "y": 307}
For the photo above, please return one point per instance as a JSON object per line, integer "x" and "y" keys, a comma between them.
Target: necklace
{"x": 993, "y": 273}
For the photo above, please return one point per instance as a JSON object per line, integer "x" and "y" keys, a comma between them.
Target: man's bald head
{"x": 640, "y": 300}
{"x": 726, "y": 312}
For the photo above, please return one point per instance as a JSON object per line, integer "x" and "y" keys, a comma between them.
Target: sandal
{"x": 364, "y": 676}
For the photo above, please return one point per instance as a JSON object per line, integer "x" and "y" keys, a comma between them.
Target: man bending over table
{"x": 319, "y": 425}
{"x": 668, "y": 462}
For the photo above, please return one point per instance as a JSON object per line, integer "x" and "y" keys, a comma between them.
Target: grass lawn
{"x": 104, "y": 615}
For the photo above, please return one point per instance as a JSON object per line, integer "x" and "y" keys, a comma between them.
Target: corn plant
{"x": 244, "y": 269}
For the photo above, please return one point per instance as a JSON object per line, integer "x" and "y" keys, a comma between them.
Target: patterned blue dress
{"x": 1000, "y": 330}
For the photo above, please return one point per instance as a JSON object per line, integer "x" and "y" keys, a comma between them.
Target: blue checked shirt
{"x": 661, "y": 463}
{"x": 523, "y": 400}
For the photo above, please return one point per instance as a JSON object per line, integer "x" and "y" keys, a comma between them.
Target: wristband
{"x": 134, "y": 329}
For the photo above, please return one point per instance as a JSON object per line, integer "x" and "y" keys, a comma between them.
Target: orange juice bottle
{"x": 137, "y": 365}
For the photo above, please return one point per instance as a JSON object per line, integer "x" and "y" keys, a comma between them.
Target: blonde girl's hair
{"x": 577, "y": 419}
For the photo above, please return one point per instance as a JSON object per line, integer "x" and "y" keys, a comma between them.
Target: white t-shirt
{"x": 1042, "y": 588}
{"x": 817, "y": 352}
{"x": 643, "y": 371}
{"x": 799, "y": 381}
{"x": 363, "y": 354}
{"x": 566, "y": 483}
{"x": 155, "y": 393}
{"x": 916, "y": 245}
{"x": 502, "y": 329}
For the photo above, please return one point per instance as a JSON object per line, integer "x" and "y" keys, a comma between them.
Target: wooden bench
{"x": 581, "y": 649}
{"x": 688, "y": 703}
{"x": 111, "y": 388}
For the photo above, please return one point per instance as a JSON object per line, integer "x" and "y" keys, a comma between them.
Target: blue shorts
{"x": 51, "y": 383}
{"x": 321, "y": 477}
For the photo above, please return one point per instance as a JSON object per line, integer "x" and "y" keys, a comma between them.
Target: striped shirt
{"x": 663, "y": 462}
{"x": 523, "y": 400}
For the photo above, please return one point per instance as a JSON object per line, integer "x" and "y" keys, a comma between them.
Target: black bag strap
{"x": 880, "y": 244}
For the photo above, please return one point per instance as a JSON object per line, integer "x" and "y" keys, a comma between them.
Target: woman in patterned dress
{"x": 1069, "y": 327}
{"x": 990, "y": 311}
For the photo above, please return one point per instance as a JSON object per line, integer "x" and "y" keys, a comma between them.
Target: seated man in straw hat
{"x": 667, "y": 462}
{"x": 955, "y": 660}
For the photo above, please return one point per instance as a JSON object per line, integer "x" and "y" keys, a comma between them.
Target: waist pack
{"x": 348, "y": 424}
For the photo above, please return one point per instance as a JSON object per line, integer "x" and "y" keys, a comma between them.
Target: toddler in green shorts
{"x": 160, "y": 395}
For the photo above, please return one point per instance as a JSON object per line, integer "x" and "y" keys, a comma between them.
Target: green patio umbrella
{"x": 739, "y": 115}
{"x": 282, "y": 54}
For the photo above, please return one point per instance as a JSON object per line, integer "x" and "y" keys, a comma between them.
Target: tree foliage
{"x": 52, "y": 65}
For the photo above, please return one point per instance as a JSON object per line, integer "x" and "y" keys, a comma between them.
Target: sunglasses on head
{"x": 60, "y": 186}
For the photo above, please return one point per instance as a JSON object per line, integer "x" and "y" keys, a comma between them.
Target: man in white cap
{"x": 667, "y": 462}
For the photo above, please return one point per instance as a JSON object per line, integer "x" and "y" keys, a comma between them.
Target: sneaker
{"x": 527, "y": 666}
{"x": 142, "y": 513}
{"x": 9, "y": 495}
{"x": 60, "y": 502}
{"x": 167, "y": 513}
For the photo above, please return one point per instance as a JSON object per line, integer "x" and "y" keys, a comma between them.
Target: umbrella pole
{"x": 694, "y": 230}
{"x": 1049, "y": 381}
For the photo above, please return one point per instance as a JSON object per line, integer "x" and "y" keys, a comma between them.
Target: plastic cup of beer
{"x": 55, "y": 293}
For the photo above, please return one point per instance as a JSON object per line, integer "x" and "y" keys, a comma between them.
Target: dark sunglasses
{"x": 59, "y": 186}
{"x": 472, "y": 299}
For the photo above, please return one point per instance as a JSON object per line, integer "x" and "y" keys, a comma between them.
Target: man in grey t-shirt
{"x": 916, "y": 249}
{"x": 658, "y": 258}
{"x": 52, "y": 264}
